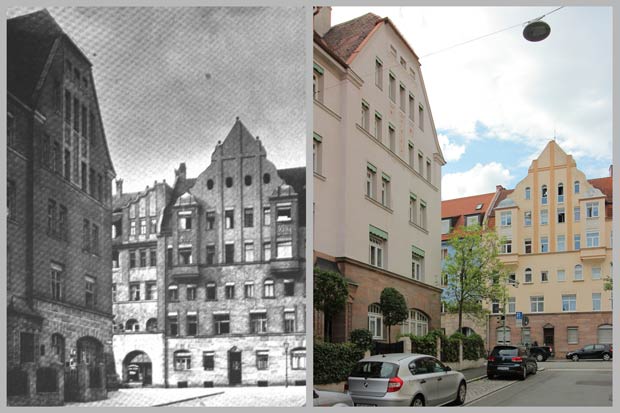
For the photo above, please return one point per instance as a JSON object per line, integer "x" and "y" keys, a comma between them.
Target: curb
{"x": 493, "y": 391}
{"x": 186, "y": 399}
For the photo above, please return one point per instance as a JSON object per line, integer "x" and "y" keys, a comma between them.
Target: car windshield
{"x": 375, "y": 369}
{"x": 506, "y": 352}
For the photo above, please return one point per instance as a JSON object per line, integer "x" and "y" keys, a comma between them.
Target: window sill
{"x": 379, "y": 204}
{"x": 413, "y": 224}
{"x": 525, "y": 282}
{"x": 319, "y": 176}
{"x": 578, "y": 281}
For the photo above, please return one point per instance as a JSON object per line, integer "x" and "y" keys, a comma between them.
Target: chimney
{"x": 180, "y": 173}
{"x": 119, "y": 187}
{"x": 322, "y": 19}
{"x": 611, "y": 171}
{"x": 499, "y": 188}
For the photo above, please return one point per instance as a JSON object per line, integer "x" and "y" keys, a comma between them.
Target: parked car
{"x": 324, "y": 398}
{"x": 405, "y": 379}
{"x": 510, "y": 361}
{"x": 592, "y": 351}
{"x": 541, "y": 353}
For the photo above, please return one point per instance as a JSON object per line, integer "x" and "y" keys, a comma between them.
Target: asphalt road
{"x": 584, "y": 383}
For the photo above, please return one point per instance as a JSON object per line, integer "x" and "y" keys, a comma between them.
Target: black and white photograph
{"x": 156, "y": 206}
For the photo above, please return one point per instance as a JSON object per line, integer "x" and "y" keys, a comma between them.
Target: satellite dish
{"x": 536, "y": 31}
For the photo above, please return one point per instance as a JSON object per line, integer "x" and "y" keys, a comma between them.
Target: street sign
{"x": 519, "y": 319}
{"x": 519, "y": 315}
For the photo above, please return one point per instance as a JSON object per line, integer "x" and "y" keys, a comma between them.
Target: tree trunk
{"x": 460, "y": 316}
{"x": 389, "y": 335}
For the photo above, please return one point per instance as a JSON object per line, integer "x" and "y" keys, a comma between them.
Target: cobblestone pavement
{"x": 252, "y": 396}
{"x": 147, "y": 397}
{"x": 480, "y": 388}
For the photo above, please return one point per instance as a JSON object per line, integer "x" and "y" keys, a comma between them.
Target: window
{"x": 185, "y": 222}
{"x": 392, "y": 137}
{"x": 182, "y": 360}
{"x": 153, "y": 227}
{"x": 423, "y": 214}
{"x": 10, "y": 129}
{"x": 421, "y": 117}
{"x": 210, "y": 254}
{"x": 413, "y": 209}
{"x": 576, "y": 187}
{"x": 151, "y": 325}
{"x": 577, "y": 214}
{"x": 375, "y": 321}
{"x": 208, "y": 360}
{"x": 228, "y": 181}
{"x": 298, "y": 359}
{"x": 210, "y": 184}
{"x": 58, "y": 347}
{"x": 221, "y": 324}
{"x": 376, "y": 251}
{"x": 495, "y": 307}
{"x": 317, "y": 82}
{"x": 317, "y": 154}
{"x": 596, "y": 273}
{"x": 151, "y": 291}
{"x": 544, "y": 217}
{"x": 266, "y": 216}
{"x": 403, "y": 98}
{"x": 591, "y": 239}
{"x": 284, "y": 249}
{"x": 420, "y": 162}
{"x": 591, "y": 209}
{"x": 528, "y": 276}
{"x": 544, "y": 244}
{"x": 132, "y": 228}
{"x": 173, "y": 292}
{"x": 512, "y": 305}
{"x": 152, "y": 257}
{"x": 503, "y": 335}
{"x": 528, "y": 246}
{"x": 378, "y": 126}
{"x": 578, "y": 274}
{"x": 89, "y": 296}
{"x": 210, "y": 220}
{"x": 114, "y": 293}
{"x": 537, "y": 304}
{"x": 173, "y": 325}
{"x": 258, "y": 323}
{"x": 544, "y": 276}
{"x": 379, "y": 73}
{"x": 211, "y": 291}
{"x": 229, "y": 219}
{"x": 94, "y": 245}
{"x": 569, "y": 302}
{"x": 248, "y": 290}
{"x": 543, "y": 193}
{"x": 142, "y": 258}
{"x": 51, "y": 218}
{"x": 416, "y": 323}
{"x": 84, "y": 177}
{"x": 26, "y": 347}
{"x": 132, "y": 325}
{"x": 190, "y": 292}
{"x": 267, "y": 251}
{"x": 134, "y": 292}
{"x": 67, "y": 164}
{"x": 192, "y": 323}
{"x": 506, "y": 218}
{"x": 528, "y": 193}
{"x": 268, "y": 289}
{"x": 262, "y": 360}
{"x": 385, "y": 190}
{"x": 428, "y": 170}
{"x": 572, "y": 333}
{"x": 472, "y": 220}
{"x": 365, "y": 116}
{"x": 560, "y": 193}
{"x": 56, "y": 282}
{"x": 143, "y": 227}
{"x": 132, "y": 259}
{"x": 266, "y": 178}
{"x": 577, "y": 241}
{"x": 445, "y": 226}
{"x": 248, "y": 217}
{"x": 561, "y": 275}
{"x": 512, "y": 279}
{"x": 392, "y": 87}
{"x": 247, "y": 180}
{"x": 248, "y": 251}
{"x": 229, "y": 291}
{"x": 185, "y": 255}
{"x": 596, "y": 301}
{"x": 289, "y": 321}
{"x": 371, "y": 177}
{"x": 283, "y": 212}
{"x": 506, "y": 247}
{"x": 561, "y": 244}
{"x": 411, "y": 106}
{"x": 289, "y": 288}
{"x": 561, "y": 215}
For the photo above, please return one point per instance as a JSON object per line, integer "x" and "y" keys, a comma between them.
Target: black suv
{"x": 592, "y": 351}
{"x": 511, "y": 361}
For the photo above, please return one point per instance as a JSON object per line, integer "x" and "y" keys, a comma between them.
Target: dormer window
{"x": 284, "y": 212}
{"x": 185, "y": 220}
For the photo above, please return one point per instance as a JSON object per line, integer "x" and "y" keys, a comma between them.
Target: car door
{"x": 599, "y": 349}
{"x": 424, "y": 377}
{"x": 447, "y": 385}
{"x": 588, "y": 352}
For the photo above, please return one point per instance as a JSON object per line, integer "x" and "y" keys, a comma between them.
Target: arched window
{"x": 503, "y": 335}
{"x": 209, "y": 184}
{"x": 298, "y": 358}
{"x": 528, "y": 275}
{"x": 132, "y": 325}
{"x": 604, "y": 334}
{"x": 151, "y": 324}
{"x": 578, "y": 272}
{"x": 576, "y": 187}
{"x": 58, "y": 347}
{"x": 528, "y": 193}
{"x": 266, "y": 178}
{"x": 375, "y": 321}
{"x": 416, "y": 324}
{"x": 268, "y": 288}
{"x": 248, "y": 180}
{"x": 560, "y": 193}
{"x": 229, "y": 182}
{"x": 543, "y": 194}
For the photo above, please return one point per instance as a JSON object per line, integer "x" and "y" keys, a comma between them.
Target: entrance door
{"x": 234, "y": 367}
{"x": 548, "y": 334}
{"x": 71, "y": 384}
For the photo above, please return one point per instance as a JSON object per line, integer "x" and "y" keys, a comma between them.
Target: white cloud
{"x": 480, "y": 179}
{"x": 451, "y": 151}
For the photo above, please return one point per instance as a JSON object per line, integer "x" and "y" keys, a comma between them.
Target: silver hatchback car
{"x": 405, "y": 379}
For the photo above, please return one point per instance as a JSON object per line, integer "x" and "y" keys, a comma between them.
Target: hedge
{"x": 334, "y": 361}
{"x": 473, "y": 345}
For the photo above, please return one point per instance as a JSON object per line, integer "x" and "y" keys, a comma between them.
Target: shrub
{"x": 473, "y": 347}
{"x": 362, "y": 338}
{"x": 333, "y": 362}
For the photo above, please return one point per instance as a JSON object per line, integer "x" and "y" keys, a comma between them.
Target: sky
{"x": 171, "y": 81}
{"x": 497, "y": 101}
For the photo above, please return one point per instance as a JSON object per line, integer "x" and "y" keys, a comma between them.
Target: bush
{"x": 333, "y": 362}
{"x": 362, "y": 338}
{"x": 473, "y": 347}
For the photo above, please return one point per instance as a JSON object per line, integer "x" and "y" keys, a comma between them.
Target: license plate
{"x": 502, "y": 368}
{"x": 365, "y": 405}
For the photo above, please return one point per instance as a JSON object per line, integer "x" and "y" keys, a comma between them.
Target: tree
{"x": 330, "y": 296}
{"x": 393, "y": 307}
{"x": 473, "y": 273}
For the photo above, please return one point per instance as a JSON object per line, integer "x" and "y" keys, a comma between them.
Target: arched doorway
{"x": 137, "y": 368}
{"x": 89, "y": 351}
{"x": 234, "y": 366}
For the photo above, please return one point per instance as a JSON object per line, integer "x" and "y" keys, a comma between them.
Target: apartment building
{"x": 210, "y": 285}
{"x": 59, "y": 171}
{"x": 377, "y": 174}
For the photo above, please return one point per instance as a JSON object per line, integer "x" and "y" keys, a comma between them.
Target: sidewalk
{"x": 146, "y": 397}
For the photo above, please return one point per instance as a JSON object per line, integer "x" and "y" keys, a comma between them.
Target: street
{"x": 560, "y": 383}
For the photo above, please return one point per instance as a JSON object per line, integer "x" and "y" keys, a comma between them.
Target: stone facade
{"x": 59, "y": 173}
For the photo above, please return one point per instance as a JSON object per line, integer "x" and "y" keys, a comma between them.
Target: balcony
{"x": 185, "y": 272}
{"x": 509, "y": 259}
{"x": 285, "y": 266}
{"x": 593, "y": 254}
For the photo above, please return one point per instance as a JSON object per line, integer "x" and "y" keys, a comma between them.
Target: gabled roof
{"x": 605, "y": 185}
{"x": 459, "y": 208}
{"x": 345, "y": 38}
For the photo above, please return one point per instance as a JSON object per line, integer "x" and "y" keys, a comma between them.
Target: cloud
{"x": 451, "y": 151}
{"x": 480, "y": 179}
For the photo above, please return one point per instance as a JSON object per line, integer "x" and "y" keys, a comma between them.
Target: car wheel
{"x": 535, "y": 369}
{"x": 418, "y": 401}
{"x": 523, "y": 374}
{"x": 461, "y": 394}
{"x": 606, "y": 357}
{"x": 540, "y": 357}
{"x": 575, "y": 357}
{"x": 490, "y": 376}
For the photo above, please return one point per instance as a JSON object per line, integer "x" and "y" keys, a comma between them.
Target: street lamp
{"x": 536, "y": 30}
{"x": 286, "y": 364}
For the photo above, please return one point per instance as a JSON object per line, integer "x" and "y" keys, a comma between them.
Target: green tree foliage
{"x": 333, "y": 362}
{"x": 473, "y": 273}
{"x": 362, "y": 338}
{"x": 393, "y": 307}
{"x": 330, "y": 295}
